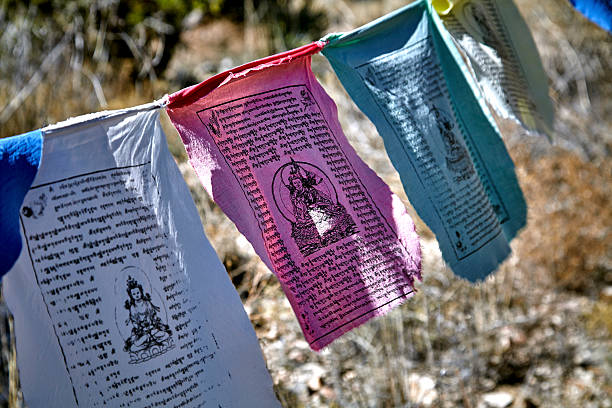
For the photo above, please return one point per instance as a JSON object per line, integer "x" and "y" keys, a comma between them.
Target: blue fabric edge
{"x": 20, "y": 158}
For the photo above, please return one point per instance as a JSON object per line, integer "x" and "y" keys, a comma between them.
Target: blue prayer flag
{"x": 406, "y": 75}
{"x": 598, "y": 11}
{"x": 19, "y": 160}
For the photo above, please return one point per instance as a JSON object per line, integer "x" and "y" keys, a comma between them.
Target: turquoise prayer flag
{"x": 404, "y": 72}
{"x": 19, "y": 160}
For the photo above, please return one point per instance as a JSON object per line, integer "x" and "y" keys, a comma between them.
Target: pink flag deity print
{"x": 265, "y": 141}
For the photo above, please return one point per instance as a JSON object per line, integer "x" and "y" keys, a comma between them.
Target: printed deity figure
{"x": 457, "y": 157}
{"x": 150, "y": 337}
{"x": 319, "y": 220}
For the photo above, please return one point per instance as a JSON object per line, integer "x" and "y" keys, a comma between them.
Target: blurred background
{"x": 537, "y": 333}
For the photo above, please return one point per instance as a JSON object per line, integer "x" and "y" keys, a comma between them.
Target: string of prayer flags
{"x": 265, "y": 141}
{"x": 598, "y": 11}
{"x": 502, "y": 55}
{"x": 19, "y": 160}
{"x": 117, "y": 293}
{"x": 405, "y": 74}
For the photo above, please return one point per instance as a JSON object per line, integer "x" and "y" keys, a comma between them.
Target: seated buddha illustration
{"x": 457, "y": 157}
{"x": 150, "y": 336}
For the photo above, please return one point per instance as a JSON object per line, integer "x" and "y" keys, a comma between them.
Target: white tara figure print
{"x": 150, "y": 336}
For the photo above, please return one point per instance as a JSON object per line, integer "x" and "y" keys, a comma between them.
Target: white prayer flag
{"x": 118, "y": 298}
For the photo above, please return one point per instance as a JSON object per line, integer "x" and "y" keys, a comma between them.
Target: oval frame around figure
{"x": 306, "y": 197}
{"x": 145, "y": 332}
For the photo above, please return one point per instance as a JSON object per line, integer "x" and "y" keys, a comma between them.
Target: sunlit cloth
{"x": 405, "y": 74}
{"x": 118, "y": 298}
{"x": 598, "y": 11}
{"x": 19, "y": 159}
{"x": 500, "y": 51}
{"x": 266, "y": 143}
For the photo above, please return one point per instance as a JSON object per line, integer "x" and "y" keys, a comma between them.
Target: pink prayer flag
{"x": 265, "y": 141}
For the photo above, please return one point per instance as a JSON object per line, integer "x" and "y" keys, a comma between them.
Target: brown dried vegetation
{"x": 538, "y": 333}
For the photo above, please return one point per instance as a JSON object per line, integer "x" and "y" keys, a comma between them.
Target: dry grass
{"x": 539, "y": 329}
{"x": 570, "y": 238}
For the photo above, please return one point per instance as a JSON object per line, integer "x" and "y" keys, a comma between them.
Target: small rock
{"x": 557, "y": 320}
{"x": 586, "y": 378}
{"x": 487, "y": 383}
{"x": 328, "y": 392}
{"x": 606, "y": 294}
{"x": 584, "y": 357}
{"x": 272, "y": 332}
{"x": 314, "y": 384}
{"x": 307, "y": 377}
{"x": 244, "y": 246}
{"x": 422, "y": 390}
{"x": 499, "y": 399}
{"x": 193, "y": 19}
{"x": 297, "y": 355}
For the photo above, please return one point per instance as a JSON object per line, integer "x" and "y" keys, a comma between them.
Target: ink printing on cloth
{"x": 404, "y": 72}
{"x": 265, "y": 141}
{"x": 116, "y": 294}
